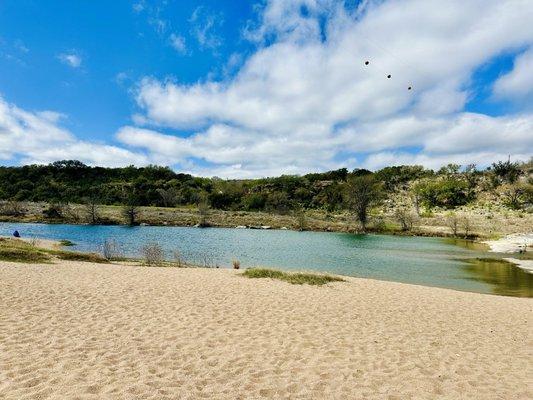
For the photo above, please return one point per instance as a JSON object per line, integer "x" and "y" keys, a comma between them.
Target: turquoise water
{"x": 417, "y": 260}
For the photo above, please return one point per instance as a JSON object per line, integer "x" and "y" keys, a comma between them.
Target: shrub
{"x": 467, "y": 226}
{"x": 54, "y": 211}
{"x": 449, "y": 192}
{"x": 405, "y": 218}
{"x": 301, "y": 220}
{"x": 254, "y": 201}
{"x": 298, "y": 278}
{"x": 518, "y": 197}
{"x": 153, "y": 254}
{"x": 111, "y": 250}
{"x": 453, "y": 223}
{"x": 178, "y": 260}
{"x": 12, "y": 208}
{"x": 203, "y": 213}
{"x": 507, "y": 171}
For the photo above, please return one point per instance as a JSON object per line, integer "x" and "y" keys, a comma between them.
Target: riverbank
{"x": 519, "y": 244}
{"x": 474, "y": 222}
{"x": 111, "y": 331}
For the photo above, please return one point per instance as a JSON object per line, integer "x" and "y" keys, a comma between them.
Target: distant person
{"x": 16, "y": 234}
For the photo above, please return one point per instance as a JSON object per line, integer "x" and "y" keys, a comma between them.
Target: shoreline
{"x": 514, "y": 244}
{"x": 198, "y": 333}
{"x": 344, "y": 229}
{"x": 483, "y": 224}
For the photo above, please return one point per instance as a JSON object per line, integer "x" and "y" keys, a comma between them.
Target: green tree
{"x": 363, "y": 192}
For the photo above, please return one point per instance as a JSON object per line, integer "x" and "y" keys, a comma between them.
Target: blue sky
{"x": 247, "y": 89}
{"x": 117, "y": 45}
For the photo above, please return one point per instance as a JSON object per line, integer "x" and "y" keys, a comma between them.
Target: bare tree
{"x": 92, "y": 207}
{"x": 362, "y": 192}
{"x": 203, "y": 213}
{"x": 467, "y": 226}
{"x": 301, "y": 220}
{"x": 405, "y": 218}
{"x": 453, "y": 223}
{"x": 131, "y": 212}
{"x": 416, "y": 203}
{"x": 111, "y": 249}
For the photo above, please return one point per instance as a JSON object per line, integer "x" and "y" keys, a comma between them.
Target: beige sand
{"x": 83, "y": 331}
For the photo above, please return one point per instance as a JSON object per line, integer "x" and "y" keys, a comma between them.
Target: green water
{"x": 417, "y": 260}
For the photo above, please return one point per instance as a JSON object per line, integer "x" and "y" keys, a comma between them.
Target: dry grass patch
{"x": 19, "y": 251}
{"x": 75, "y": 256}
{"x": 296, "y": 278}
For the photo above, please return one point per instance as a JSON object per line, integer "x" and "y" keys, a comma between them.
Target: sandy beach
{"x": 87, "y": 331}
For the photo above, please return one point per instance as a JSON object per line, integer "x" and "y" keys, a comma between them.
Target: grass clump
{"x": 19, "y": 251}
{"x": 66, "y": 243}
{"x": 298, "y": 278}
{"x": 75, "y": 256}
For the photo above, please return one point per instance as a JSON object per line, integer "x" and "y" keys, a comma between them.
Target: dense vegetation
{"x": 74, "y": 182}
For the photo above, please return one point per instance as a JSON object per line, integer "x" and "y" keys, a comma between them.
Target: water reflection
{"x": 504, "y": 277}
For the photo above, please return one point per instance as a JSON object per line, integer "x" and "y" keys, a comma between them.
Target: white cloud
{"x": 305, "y": 100}
{"x": 517, "y": 84}
{"x": 204, "y": 25}
{"x": 71, "y": 59}
{"x": 383, "y": 159}
{"x": 178, "y": 43}
{"x": 36, "y": 137}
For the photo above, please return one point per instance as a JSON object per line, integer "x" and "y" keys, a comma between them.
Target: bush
{"x": 12, "y": 208}
{"x": 178, "y": 259}
{"x": 405, "y": 218}
{"x": 448, "y": 193}
{"x": 518, "y": 197}
{"x": 54, "y": 211}
{"x": 453, "y": 223}
{"x": 254, "y": 202}
{"x": 111, "y": 250}
{"x": 507, "y": 171}
{"x": 153, "y": 254}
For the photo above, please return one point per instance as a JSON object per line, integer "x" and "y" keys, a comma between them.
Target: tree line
{"x": 358, "y": 190}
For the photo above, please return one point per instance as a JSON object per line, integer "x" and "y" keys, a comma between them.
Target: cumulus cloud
{"x": 37, "y": 137}
{"x": 517, "y": 84}
{"x": 71, "y": 59}
{"x": 305, "y": 100}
